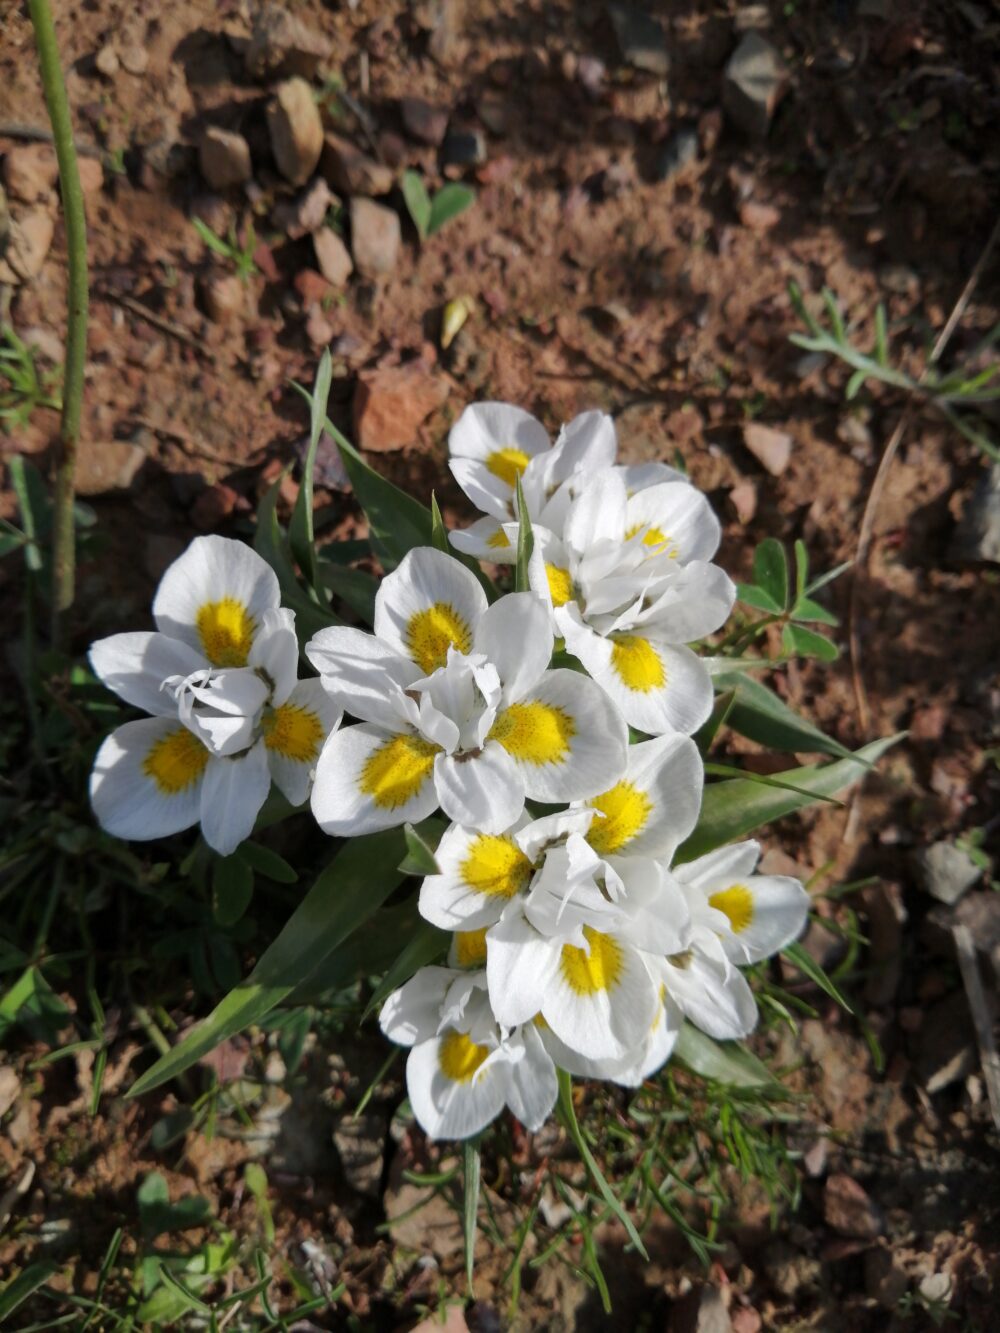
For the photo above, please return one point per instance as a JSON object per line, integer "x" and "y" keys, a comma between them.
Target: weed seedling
{"x": 239, "y": 255}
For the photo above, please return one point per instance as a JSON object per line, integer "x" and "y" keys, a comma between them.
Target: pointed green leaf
{"x": 19, "y": 1288}
{"x": 525, "y": 541}
{"x": 722, "y": 1062}
{"x": 855, "y": 384}
{"x": 801, "y": 567}
{"x": 799, "y": 641}
{"x": 733, "y": 809}
{"x": 421, "y": 843}
{"x": 806, "y": 609}
{"x": 449, "y": 201}
{"x": 418, "y": 202}
{"x": 439, "y": 533}
{"x": 750, "y": 595}
{"x": 759, "y": 714}
{"x": 270, "y": 543}
{"x": 770, "y": 571}
{"x": 268, "y": 863}
{"x": 232, "y": 889}
{"x": 356, "y": 588}
{"x": 425, "y": 944}
{"x": 300, "y": 530}
{"x": 470, "y": 1203}
{"x": 881, "y": 348}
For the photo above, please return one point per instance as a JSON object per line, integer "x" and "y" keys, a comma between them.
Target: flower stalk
{"x": 54, "y": 86}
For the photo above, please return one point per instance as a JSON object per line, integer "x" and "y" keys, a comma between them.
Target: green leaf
{"x": 525, "y": 541}
{"x": 801, "y": 568}
{"x": 19, "y": 1288}
{"x": 759, "y": 714}
{"x": 268, "y": 863}
{"x": 836, "y": 318}
{"x": 300, "y": 530}
{"x": 796, "y": 640}
{"x": 418, "y": 201}
{"x": 470, "y": 1203}
{"x": 449, "y": 201}
{"x": 355, "y": 587}
{"x": 215, "y": 243}
{"x": 232, "y": 889}
{"x": 733, "y": 809}
{"x": 770, "y": 571}
{"x": 855, "y": 384}
{"x": 255, "y": 1179}
{"x": 439, "y": 533}
{"x": 881, "y": 349}
{"x": 421, "y": 843}
{"x": 723, "y": 1062}
{"x": 33, "y": 504}
{"x": 806, "y": 609}
{"x": 352, "y": 887}
{"x": 157, "y": 1214}
{"x": 717, "y": 719}
{"x": 171, "y": 1128}
{"x": 33, "y": 1004}
{"x": 828, "y": 577}
{"x": 810, "y": 968}
{"x": 270, "y": 543}
{"x": 759, "y": 598}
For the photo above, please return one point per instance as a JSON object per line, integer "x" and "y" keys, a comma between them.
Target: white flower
{"x": 463, "y": 1067}
{"x": 219, "y": 677}
{"x": 492, "y": 444}
{"x": 457, "y": 708}
{"x": 629, "y": 582}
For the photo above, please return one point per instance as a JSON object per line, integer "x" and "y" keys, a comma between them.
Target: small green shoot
{"x": 785, "y": 603}
{"x": 24, "y": 385}
{"x": 430, "y": 214}
{"x": 239, "y": 255}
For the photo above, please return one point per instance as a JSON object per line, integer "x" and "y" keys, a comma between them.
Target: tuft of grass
{"x": 239, "y": 254}
{"x": 25, "y": 386}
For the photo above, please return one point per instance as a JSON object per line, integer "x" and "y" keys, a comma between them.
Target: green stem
{"x": 63, "y": 550}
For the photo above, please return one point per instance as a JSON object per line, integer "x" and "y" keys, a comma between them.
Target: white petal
{"x": 520, "y": 965}
{"x": 779, "y": 906}
{"x": 531, "y": 1083}
{"x": 364, "y": 676}
{"x": 369, "y": 779}
{"x": 550, "y": 569}
{"x": 478, "y": 874}
{"x": 693, "y": 603}
{"x": 725, "y": 864}
{"x": 486, "y": 491}
{"x": 566, "y": 736}
{"x": 147, "y": 778}
{"x": 580, "y": 1065}
{"x": 483, "y": 428}
{"x": 485, "y": 540}
{"x": 598, "y": 512}
{"x": 275, "y": 651}
{"x": 445, "y": 1108}
{"x": 484, "y": 791}
{"x": 713, "y": 994}
{"x": 660, "y": 688}
{"x": 608, "y": 1021}
{"x": 637, "y": 476}
{"x": 681, "y": 514}
{"x": 231, "y": 797}
{"x": 429, "y": 603}
{"x": 413, "y": 1012}
{"x": 295, "y": 735}
{"x": 516, "y": 637}
{"x": 211, "y": 571}
{"x": 655, "y": 915}
{"x": 136, "y": 665}
{"x": 655, "y": 805}
{"x": 533, "y": 837}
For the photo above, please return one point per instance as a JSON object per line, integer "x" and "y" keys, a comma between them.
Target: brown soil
{"x": 663, "y": 302}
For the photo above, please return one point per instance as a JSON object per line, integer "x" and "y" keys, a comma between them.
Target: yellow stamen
{"x": 294, "y": 732}
{"x": 626, "y": 810}
{"x": 655, "y": 536}
{"x": 176, "y": 761}
{"x": 394, "y": 773}
{"x": 535, "y": 733}
{"x": 736, "y": 903}
{"x": 597, "y": 971}
{"x": 470, "y": 947}
{"x": 431, "y": 633}
{"x": 495, "y": 865}
{"x": 459, "y": 1057}
{"x": 499, "y": 541}
{"x": 508, "y": 464}
{"x": 226, "y": 630}
{"x": 638, "y": 663}
{"x": 560, "y": 584}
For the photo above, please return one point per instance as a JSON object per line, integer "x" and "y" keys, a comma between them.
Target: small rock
{"x": 390, "y": 404}
{"x": 311, "y": 287}
{"x": 640, "y": 39}
{"x": 375, "y": 238}
{"x": 746, "y": 1320}
{"x": 759, "y": 217}
{"x": 319, "y": 330}
{"x": 680, "y": 150}
{"x": 106, "y": 61}
{"x": 351, "y": 171}
{"x": 849, "y": 1210}
{"x": 30, "y": 172}
{"x": 977, "y": 537}
{"x": 10, "y": 1086}
{"x": 946, "y": 872}
{"x": 772, "y": 448}
{"x": 226, "y": 297}
{"x": 213, "y": 506}
{"x": 104, "y": 466}
{"x": 754, "y": 82}
{"x": 361, "y": 1143}
{"x": 135, "y": 59}
{"x": 744, "y": 498}
{"x": 946, "y": 1049}
{"x": 296, "y": 130}
{"x": 790, "y": 1271}
{"x": 701, "y": 1310}
{"x": 332, "y": 256}
{"x": 28, "y": 242}
{"x": 392, "y": 149}
{"x": 936, "y": 1289}
{"x": 224, "y": 157}
{"x": 282, "y": 44}
{"x": 463, "y": 148}
{"x": 306, "y": 213}
{"x": 423, "y": 120}
{"x": 91, "y": 175}
{"x": 814, "y": 1158}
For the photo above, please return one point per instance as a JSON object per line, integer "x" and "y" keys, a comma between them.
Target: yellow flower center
{"x": 599, "y": 970}
{"x": 470, "y": 947}
{"x": 395, "y": 772}
{"x": 499, "y": 540}
{"x": 226, "y": 631}
{"x": 495, "y": 865}
{"x": 176, "y": 761}
{"x": 294, "y": 732}
{"x": 626, "y": 810}
{"x": 560, "y": 585}
{"x": 637, "y": 663}
{"x": 534, "y": 733}
{"x": 459, "y": 1057}
{"x": 736, "y": 903}
{"x": 654, "y": 536}
{"x": 508, "y": 464}
{"x": 431, "y": 633}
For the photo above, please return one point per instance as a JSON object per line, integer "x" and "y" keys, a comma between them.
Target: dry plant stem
{"x": 63, "y": 548}
{"x": 982, "y": 1015}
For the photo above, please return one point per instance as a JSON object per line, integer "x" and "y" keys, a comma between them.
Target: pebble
{"x": 744, "y": 498}
{"x": 977, "y": 536}
{"x": 759, "y": 217}
{"x": 213, "y": 506}
{"x": 701, "y": 1310}
{"x": 30, "y": 172}
{"x": 849, "y": 1210}
{"x": 28, "y": 242}
{"x": 105, "y": 466}
{"x": 390, "y": 404}
{"x": 310, "y": 286}
{"x": 771, "y": 448}
{"x": 10, "y": 1086}
{"x": 91, "y": 175}
{"x": 375, "y": 238}
{"x": 224, "y": 158}
{"x": 351, "y": 171}
{"x": 225, "y": 296}
{"x": 424, "y": 121}
{"x": 332, "y": 256}
{"x": 296, "y": 130}
{"x": 463, "y": 148}
{"x": 945, "y": 871}
{"x": 640, "y": 39}
{"x": 754, "y": 82}
{"x": 306, "y": 213}
{"x": 106, "y": 61}
{"x": 134, "y": 59}
{"x": 282, "y": 44}
{"x": 680, "y": 150}
{"x": 790, "y": 1271}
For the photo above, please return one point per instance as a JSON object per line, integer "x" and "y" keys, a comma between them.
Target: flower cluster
{"x": 579, "y": 939}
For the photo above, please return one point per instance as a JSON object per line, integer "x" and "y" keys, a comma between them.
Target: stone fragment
{"x": 351, "y": 171}
{"x": 744, "y": 499}
{"x": 424, "y": 121}
{"x": 91, "y": 175}
{"x": 849, "y": 1210}
{"x": 28, "y": 242}
{"x": 945, "y": 871}
{"x": 213, "y": 506}
{"x": 332, "y": 256}
{"x": 311, "y": 287}
{"x": 296, "y": 130}
{"x": 680, "y": 150}
{"x": 30, "y": 172}
{"x": 306, "y": 213}
{"x": 791, "y": 1272}
{"x": 977, "y": 536}
{"x": 771, "y": 448}
{"x": 640, "y": 39}
{"x": 224, "y": 158}
{"x": 375, "y": 238}
{"x": 103, "y": 466}
{"x": 319, "y": 330}
{"x": 701, "y": 1310}
{"x": 106, "y": 61}
{"x": 390, "y": 404}
{"x": 463, "y": 148}
{"x": 134, "y": 59}
{"x": 360, "y": 1142}
{"x": 10, "y": 1086}
{"x": 759, "y": 217}
{"x": 746, "y": 1320}
{"x": 454, "y": 1321}
{"x": 754, "y": 82}
{"x": 225, "y": 297}
{"x": 282, "y": 44}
